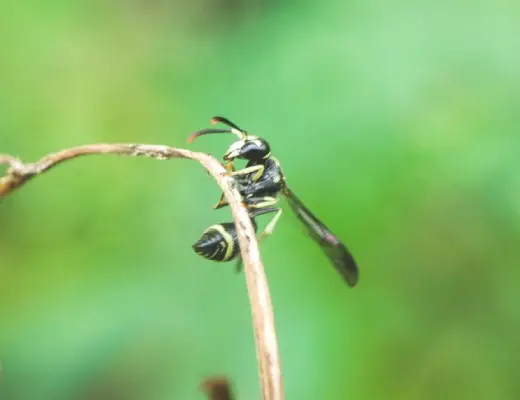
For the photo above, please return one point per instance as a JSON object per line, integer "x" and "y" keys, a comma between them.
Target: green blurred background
{"x": 396, "y": 123}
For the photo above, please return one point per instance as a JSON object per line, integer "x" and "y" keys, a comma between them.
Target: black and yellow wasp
{"x": 259, "y": 184}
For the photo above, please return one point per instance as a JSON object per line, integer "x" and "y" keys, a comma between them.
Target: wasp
{"x": 260, "y": 183}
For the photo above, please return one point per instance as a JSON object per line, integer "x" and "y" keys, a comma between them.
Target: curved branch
{"x": 268, "y": 358}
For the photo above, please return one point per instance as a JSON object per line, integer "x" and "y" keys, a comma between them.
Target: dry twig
{"x": 19, "y": 173}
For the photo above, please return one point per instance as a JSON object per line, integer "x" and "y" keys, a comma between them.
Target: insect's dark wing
{"x": 331, "y": 245}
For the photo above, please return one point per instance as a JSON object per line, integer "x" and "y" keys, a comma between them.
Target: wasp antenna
{"x": 196, "y": 134}
{"x": 242, "y": 134}
{"x": 222, "y": 120}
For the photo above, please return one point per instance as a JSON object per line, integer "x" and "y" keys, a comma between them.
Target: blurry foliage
{"x": 397, "y": 124}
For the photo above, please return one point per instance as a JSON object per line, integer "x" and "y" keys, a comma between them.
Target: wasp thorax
{"x": 252, "y": 149}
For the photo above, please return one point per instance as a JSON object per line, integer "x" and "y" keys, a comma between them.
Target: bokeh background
{"x": 396, "y": 122}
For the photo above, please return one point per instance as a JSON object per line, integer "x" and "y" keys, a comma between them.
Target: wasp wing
{"x": 336, "y": 251}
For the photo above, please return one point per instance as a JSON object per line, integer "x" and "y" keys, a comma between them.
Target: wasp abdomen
{"x": 218, "y": 242}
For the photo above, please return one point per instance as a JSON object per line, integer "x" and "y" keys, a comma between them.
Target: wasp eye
{"x": 255, "y": 150}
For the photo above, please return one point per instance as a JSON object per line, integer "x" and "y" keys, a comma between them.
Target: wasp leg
{"x": 230, "y": 167}
{"x": 240, "y": 265}
{"x": 258, "y": 171}
{"x": 260, "y": 205}
{"x": 269, "y": 229}
{"x": 221, "y": 203}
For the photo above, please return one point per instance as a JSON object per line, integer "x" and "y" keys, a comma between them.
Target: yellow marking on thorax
{"x": 259, "y": 174}
{"x": 279, "y": 167}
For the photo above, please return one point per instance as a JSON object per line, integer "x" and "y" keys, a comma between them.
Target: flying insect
{"x": 259, "y": 183}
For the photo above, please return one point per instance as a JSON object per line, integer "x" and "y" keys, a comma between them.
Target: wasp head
{"x": 251, "y": 148}
{"x": 247, "y": 147}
